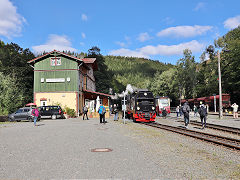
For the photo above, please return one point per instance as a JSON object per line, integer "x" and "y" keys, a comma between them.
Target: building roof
{"x": 54, "y": 51}
{"x": 91, "y": 61}
{"x": 98, "y": 93}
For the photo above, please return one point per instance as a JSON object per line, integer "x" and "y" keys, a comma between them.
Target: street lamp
{"x": 220, "y": 86}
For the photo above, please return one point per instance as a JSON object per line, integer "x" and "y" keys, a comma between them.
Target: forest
{"x": 187, "y": 79}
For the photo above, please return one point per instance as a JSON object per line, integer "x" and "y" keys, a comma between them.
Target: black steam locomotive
{"x": 140, "y": 106}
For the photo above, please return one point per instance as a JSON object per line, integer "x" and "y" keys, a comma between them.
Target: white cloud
{"x": 128, "y": 52}
{"x": 60, "y": 43}
{"x": 83, "y": 35}
{"x": 10, "y": 21}
{"x": 84, "y": 17}
{"x": 184, "y": 31}
{"x": 163, "y": 50}
{"x": 199, "y": 6}
{"x": 232, "y": 23}
{"x": 143, "y": 37}
{"x": 122, "y": 44}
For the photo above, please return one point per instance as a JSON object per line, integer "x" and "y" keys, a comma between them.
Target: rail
{"x": 221, "y": 140}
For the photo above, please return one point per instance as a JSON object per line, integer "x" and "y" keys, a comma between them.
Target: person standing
{"x": 186, "y": 110}
{"x": 235, "y": 110}
{"x": 177, "y": 110}
{"x": 203, "y": 115}
{"x": 115, "y": 111}
{"x": 35, "y": 114}
{"x": 85, "y": 111}
{"x": 102, "y": 111}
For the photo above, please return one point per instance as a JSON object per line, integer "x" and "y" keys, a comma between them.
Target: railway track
{"x": 221, "y": 140}
{"x": 229, "y": 129}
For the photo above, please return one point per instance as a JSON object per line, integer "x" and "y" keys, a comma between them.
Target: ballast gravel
{"x": 61, "y": 149}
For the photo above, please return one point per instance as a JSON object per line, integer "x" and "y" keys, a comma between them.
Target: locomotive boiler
{"x": 141, "y": 106}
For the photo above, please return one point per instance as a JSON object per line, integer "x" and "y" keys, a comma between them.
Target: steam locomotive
{"x": 140, "y": 106}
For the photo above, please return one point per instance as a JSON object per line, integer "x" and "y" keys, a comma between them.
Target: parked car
{"x": 24, "y": 113}
{"x": 51, "y": 111}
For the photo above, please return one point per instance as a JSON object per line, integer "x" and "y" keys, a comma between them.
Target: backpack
{"x": 102, "y": 110}
{"x": 202, "y": 111}
{"x": 185, "y": 108}
{"x": 85, "y": 109}
{"x": 33, "y": 112}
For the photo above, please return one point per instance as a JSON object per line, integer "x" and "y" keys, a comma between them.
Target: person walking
{"x": 195, "y": 110}
{"x": 180, "y": 110}
{"x": 102, "y": 111}
{"x": 235, "y": 110}
{"x": 115, "y": 111}
{"x": 177, "y": 110}
{"x": 203, "y": 115}
{"x": 85, "y": 111}
{"x": 186, "y": 110}
{"x": 35, "y": 114}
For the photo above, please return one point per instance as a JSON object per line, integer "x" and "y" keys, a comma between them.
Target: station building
{"x": 68, "y": 81}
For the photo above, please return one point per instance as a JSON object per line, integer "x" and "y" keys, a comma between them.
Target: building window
{"x": 55, "y": 61}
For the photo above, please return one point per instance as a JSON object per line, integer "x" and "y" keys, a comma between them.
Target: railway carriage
{"x": 141, "y": 106}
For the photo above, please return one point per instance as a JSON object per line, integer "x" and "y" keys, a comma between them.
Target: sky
{"x": 154, "y": 29}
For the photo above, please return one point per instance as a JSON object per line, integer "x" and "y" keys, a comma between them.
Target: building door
{"x": 43, "y": 103}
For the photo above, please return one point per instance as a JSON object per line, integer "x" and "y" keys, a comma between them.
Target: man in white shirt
{"x": 235, "y": 110}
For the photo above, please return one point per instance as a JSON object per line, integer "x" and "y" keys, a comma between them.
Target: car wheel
{"x": 30, "y": 119}
{"x": 18, "y": 120}
{"x": 54, "y": 117}
{"x": 10, "y": 119}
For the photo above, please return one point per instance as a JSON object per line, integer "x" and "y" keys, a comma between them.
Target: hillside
{"x": 138, "y": 72}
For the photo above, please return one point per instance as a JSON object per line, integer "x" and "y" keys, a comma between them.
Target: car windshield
{"x": 19, "y": 111}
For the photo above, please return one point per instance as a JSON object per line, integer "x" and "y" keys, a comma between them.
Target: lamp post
{"x": 220, "y": 86}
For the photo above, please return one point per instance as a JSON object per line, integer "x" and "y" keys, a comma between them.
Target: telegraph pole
{"x": 220, "y": 86}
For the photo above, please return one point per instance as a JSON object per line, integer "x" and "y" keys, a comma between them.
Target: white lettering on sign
{"x": 56, "y": 80}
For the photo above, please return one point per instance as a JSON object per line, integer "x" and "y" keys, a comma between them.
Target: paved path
{"x": 61, "y": 149}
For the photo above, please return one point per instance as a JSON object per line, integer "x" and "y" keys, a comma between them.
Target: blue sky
{"x": 154, "y": 29}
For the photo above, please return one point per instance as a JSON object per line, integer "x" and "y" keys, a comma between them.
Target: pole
{"x": 215, "y": 108}
{"x": 220, "y": 86}
{"x": 124, "y": 105}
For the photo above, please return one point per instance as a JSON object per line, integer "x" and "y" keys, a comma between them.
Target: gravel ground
{"x": 61, "y": 149}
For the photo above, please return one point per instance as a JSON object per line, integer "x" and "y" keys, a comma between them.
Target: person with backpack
{"x": 203, "y": 115}
{"x": 115, "y": 111}
{"x": 85, "y": 111}
{"x": 186, "y": 110}
{"x": 102, "y": 111}
{"x": 35, "y": 114}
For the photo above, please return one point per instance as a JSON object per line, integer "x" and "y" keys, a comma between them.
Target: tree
{"x": 103, "y": 76}
{"x": 230, "y": 63}
{"x": 207, "y": 73}
{"x": 186, "y": 75}
{"x": 11, "y": 97}
{"x": 165, "y": 84}
{"x": 13, "y": 61}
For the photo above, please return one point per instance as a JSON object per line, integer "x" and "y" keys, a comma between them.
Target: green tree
{"x": 11, "y": 97}
{"x": 186, "y": 75}
{"x": 165, "y": 84}
{"x": 230, "y": 65}
{"x": 13, "y": 61}
{"x": 207, "y": 73}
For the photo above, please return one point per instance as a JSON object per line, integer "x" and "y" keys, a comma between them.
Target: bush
{"x": 70, "y": 112}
